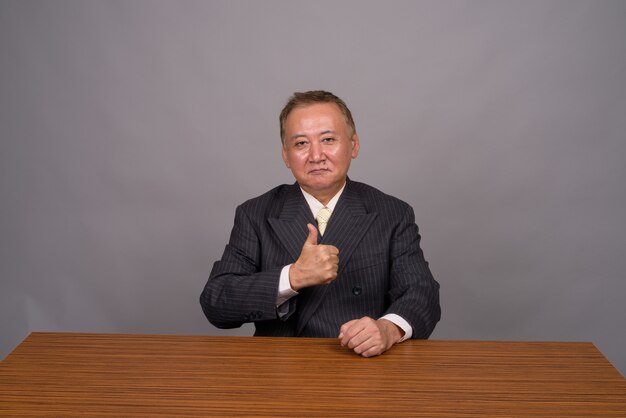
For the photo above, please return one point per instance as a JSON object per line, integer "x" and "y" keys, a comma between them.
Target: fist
{"x": 369, "y": 337}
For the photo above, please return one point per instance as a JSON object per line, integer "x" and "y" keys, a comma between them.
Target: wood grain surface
{"x": 84, "y": 375}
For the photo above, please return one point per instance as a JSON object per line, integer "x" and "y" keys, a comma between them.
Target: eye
{"x": 300, "y": 144}
{"x": 328, "y": 140}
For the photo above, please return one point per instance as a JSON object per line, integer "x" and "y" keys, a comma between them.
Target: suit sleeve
{"x": 414, "y": 293}
{"x": 237, "y": 290}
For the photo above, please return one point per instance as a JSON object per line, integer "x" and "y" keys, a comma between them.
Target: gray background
{"x": 130, "y": 130}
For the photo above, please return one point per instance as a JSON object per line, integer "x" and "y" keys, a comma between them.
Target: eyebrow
{"x": 328, "y": 131}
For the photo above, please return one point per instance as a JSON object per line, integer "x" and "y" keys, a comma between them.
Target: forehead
{"x": 315, "y": 115}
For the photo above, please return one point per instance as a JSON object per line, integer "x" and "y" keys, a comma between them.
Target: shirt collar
{"x": 315, "y": 205}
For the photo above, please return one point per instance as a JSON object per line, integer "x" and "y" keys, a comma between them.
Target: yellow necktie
{"x": 322, "y": 219}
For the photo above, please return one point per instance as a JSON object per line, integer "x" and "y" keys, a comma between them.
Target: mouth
{"x": 318, "y": 171}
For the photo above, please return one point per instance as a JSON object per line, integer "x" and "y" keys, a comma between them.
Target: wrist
{"x": 294, "y": 277}
{"x": 393, "y": 331}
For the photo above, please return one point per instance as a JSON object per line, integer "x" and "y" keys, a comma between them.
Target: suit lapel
{"x": 347, "y": 226}
{"x": 290, "y": 226}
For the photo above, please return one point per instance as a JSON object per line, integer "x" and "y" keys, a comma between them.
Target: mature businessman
{"x": 326, "y": 256}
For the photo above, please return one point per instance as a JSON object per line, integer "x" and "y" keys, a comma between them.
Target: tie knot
{"x": 323, "y": 215}
{"x": 322, "y": 219}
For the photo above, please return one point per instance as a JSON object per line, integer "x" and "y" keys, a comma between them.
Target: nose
{"x": 316, "y": 153}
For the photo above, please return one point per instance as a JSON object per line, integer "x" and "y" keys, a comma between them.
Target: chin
{"x": 321, "y": 185}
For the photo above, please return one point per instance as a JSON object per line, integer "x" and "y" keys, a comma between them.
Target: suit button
{"x": 356, "y": 290}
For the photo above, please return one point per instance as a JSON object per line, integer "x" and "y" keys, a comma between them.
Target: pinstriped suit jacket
{"x": 381, "y": 266}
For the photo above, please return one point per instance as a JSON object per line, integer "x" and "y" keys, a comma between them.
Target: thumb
{"x": 311, "y": 239}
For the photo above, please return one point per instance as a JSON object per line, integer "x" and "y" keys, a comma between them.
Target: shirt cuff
{"x": 285, "y": 292}
{"x": 401, "y": 322}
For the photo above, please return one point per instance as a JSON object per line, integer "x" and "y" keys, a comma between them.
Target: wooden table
{"x": 64, "y": 374}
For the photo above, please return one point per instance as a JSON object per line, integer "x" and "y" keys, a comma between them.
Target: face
{"x": 318, "y": 148}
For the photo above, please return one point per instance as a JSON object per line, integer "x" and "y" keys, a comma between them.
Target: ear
{"x": 356, "y": 145}
{"x": 285, "y": 157}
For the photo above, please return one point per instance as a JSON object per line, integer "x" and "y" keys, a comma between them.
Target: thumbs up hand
{"x": 316, "y": 265}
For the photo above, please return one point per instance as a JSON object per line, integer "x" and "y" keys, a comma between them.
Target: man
{"x": 327, "y": 256}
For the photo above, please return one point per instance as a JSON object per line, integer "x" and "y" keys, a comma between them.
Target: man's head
{"x": 302, "y": 99}
{"x": 319, "y": 142}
